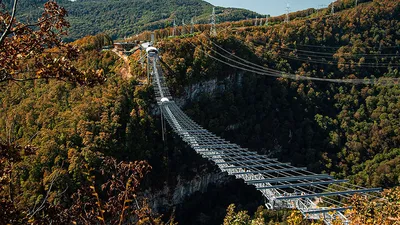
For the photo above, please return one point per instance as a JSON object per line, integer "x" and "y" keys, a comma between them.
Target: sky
{"x": 272, "y": 7}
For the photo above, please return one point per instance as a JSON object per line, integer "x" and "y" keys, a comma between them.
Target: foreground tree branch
{"x": 23, "y": 45}
{"x": 8, "y": 28}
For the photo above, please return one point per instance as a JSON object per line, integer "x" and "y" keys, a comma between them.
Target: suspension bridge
{"x": 316, "y": 196}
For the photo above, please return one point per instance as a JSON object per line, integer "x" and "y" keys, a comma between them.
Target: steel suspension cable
{"x": 381, "y": 81}
{"x": 265, "y": 68}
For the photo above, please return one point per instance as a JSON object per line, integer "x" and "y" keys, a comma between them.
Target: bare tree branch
{"x": 10, "y": 24}
{"x": 30, "y": 79}
{"x": 36, "y": 210}
{"x": 33, "y": 136}
{"x": 34, "y": 24}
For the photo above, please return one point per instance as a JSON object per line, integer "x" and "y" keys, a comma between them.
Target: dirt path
{"x": 126, "y": 69}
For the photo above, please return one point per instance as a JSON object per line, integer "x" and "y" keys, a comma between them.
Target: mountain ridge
{"x": 121, "y": 18}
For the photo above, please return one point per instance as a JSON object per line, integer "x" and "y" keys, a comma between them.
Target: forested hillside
{"x": 70, "y": 146}
{"x": 347, "y": 130}
{"x": 121, "y": 18}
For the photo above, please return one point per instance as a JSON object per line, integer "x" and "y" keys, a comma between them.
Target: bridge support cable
{"x": 312, "y": 54}
{"x": 283, "y": 185}
{"x": 248, "y": 66}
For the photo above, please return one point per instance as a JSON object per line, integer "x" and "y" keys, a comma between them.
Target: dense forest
{"x": 122, "y": 18}
{"x": 80, "y": 144}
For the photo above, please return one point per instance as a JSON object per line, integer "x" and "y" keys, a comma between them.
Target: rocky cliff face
{"x": 210, "y": 87}
{"x": 169, "y": 197}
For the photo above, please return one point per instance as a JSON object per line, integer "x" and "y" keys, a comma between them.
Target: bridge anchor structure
{"x": 316, "y": 196}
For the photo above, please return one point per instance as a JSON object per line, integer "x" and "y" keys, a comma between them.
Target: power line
{"x": 275, "y": 73}
{"x": 298, "y": 55}
{"x": 337, "y": 47}
{"x": 336, "y": 63}
{"x": 304, "y": 60}
{"x": 298, "y": 77}
{"x": 350, "y": 54}
{"x": 381, "y": 65}
{"x": 373, "y": 60}
{"x": 258, "y": 69}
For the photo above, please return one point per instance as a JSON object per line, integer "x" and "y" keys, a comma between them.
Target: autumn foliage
{"x": 384, "y": 210}
{"x": 68, "y": 151}
{"x": 80, "y": 184}
{"x": 36, "y": 51}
